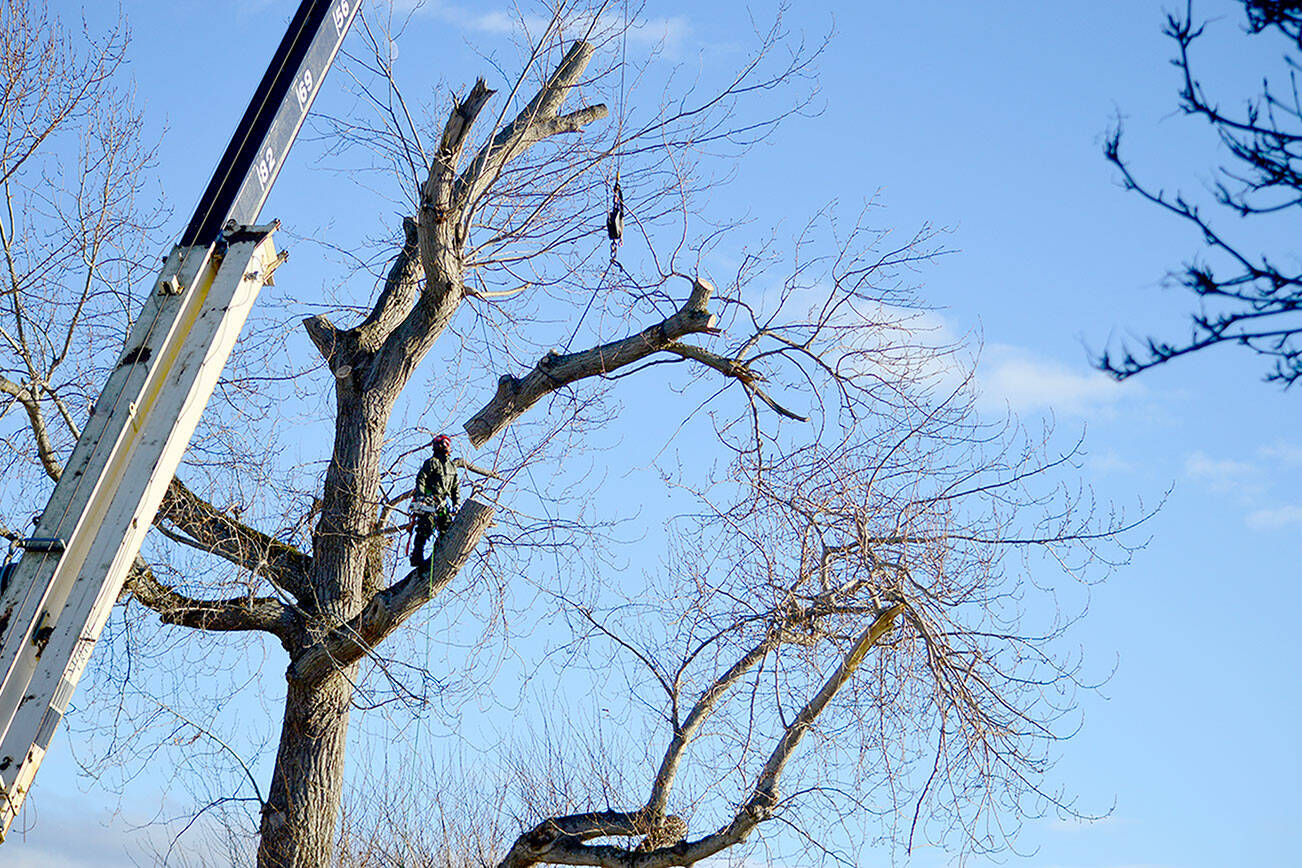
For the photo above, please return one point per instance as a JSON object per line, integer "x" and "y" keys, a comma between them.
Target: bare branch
{"x": 26, "y": 396}
{"x": 553, "y": 371}
{"x": 1244, "y": 297}
{"x": 559, "y": 841}
{"x": 738, "y": 370}
{"x": 219, "y": 533}
{"x": 536, "y": 121}
{"x": 266, "y": 614}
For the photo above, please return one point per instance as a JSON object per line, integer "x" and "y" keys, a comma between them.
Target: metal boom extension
{"x": 59, "y": 597}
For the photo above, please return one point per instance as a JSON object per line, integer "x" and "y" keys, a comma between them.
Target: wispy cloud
{"x": 104, "y": 840}
{"x": 670, "y": 33}
{"x": 1276, "y": 518}
{"x": 1224, "y": 475}
{"x": 1248, "y": 482}
{"x": 1109, "y": 461}
{"x": 1022, "y": 381}
{"x": 492, "y": 21}
{"x": 109, "y": 838}
{"x": 899, "y": 343}
{"x": 1281, "y": 452}
{"x": 919, "y": 345}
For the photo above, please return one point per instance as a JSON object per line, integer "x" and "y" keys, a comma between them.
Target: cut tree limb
{"x": 553, "y": 371}
{"x": 425, "y": 284}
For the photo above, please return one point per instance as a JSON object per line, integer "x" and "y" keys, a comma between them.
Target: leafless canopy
{"x": 71, "y": 164}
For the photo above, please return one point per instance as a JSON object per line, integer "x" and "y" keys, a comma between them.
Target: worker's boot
{"x": 418, "y": 550}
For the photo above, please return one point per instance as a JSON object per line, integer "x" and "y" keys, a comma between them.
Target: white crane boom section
{"x": 59, "y": 595}
{"x": 57, "y": 602}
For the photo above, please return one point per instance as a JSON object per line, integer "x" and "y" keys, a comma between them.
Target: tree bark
{"x": 298, "y": 820}
{"x": 390, "y": 608}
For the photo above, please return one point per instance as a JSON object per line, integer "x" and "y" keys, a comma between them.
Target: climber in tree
{"x": 436, "y": 483}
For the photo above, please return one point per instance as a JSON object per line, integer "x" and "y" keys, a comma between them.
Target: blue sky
{"x": 987, "y": 119}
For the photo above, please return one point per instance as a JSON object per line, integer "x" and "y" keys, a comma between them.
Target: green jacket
{"x": 437, "y": 479}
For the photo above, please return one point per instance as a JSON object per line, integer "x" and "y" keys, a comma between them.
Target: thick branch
{"x": 698, "y": 715}
{"x": 388, "y": 609}
{"x": 399, "y": 334}
{"x": 446, "y": 200}
{"x": 515, "y": 396}
{"x": 766, "y": 788}
{"x": 238, "y": 613}
{"x": 325, "y": 337}
{"x": 221, "y": 535}
{"x": 436, "y": 193}
{"x": 399, "y": 293}
{"x": 345, "y": 349}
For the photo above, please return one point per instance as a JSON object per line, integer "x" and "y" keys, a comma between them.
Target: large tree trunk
{"x": 298, "y": 822}
{"x": 372, "y": 363}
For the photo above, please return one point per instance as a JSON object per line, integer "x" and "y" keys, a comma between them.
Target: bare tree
{"x": 72, "y": 237}
{"x": 1246, "y": 297}
{"x": 844, "y": 582}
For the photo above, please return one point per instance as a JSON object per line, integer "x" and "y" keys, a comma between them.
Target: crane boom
{"x": 59, "y": 595}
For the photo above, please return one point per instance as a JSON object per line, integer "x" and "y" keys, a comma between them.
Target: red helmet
{"x": 442, "y": 441}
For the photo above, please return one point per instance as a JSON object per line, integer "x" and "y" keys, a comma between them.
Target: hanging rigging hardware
{"x": 615, "y": 219}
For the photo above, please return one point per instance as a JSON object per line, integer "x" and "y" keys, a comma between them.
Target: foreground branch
{"x": 559, "y": 841}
